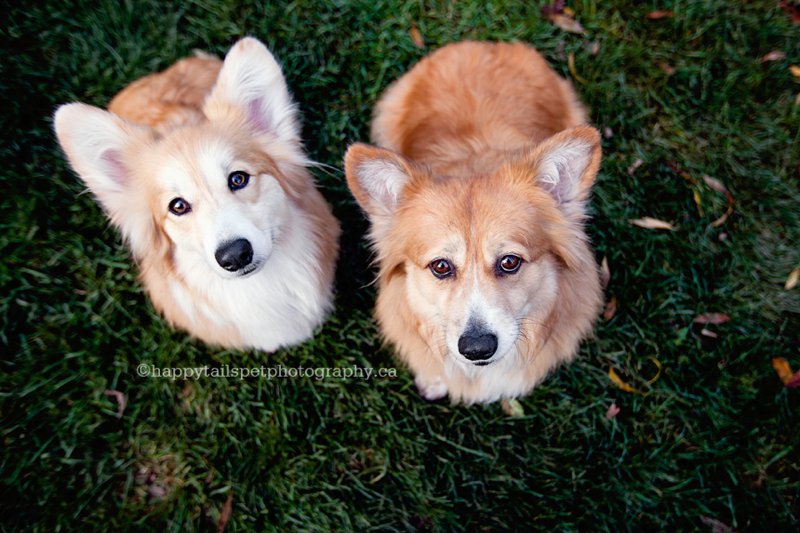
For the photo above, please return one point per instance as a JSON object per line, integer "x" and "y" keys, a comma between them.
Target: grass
{"x": 716, "y": 438}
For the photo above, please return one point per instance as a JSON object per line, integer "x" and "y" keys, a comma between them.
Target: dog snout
{"x": 477, "y": 345}
{"x": 234, "y": 255}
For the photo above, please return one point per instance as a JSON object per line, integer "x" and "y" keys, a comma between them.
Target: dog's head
{"x": 209, "y": 196}
{"x": 481, "y": 257}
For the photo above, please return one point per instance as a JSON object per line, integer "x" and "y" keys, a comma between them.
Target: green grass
{"x": 716, "y": 437}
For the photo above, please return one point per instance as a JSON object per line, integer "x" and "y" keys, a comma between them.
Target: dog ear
{"x": 252, "y": 81}
{"x": 567, "y": 163}
{"x": 376, "y": 178}
{"x": 95, "y": 143}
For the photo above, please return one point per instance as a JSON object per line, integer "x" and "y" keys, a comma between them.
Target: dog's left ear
{"x": 252, "y": 81}
{"x": 566, "y": 164}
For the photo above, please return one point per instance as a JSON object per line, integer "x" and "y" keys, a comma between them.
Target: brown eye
{"x": 441, "y": 268}
{"x": 509, "y": 264}
{"x": 238, "y": 180}
{"x": 179, "y": 206}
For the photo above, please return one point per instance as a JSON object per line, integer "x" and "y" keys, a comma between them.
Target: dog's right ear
{"x": 95, "y": 143}
{"x": 252, "y": 81}
{"x": 376, "y": 178}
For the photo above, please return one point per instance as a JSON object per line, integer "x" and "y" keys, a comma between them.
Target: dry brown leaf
{"x": 613, "y": 410}
{"x": 651, "y": 223}
{"x": 698, "y": 202}
{"x": 775, "y": 55}
{"x": 656, "y": 15}
{"x": 708, "y": 333}
{"x": 416, "y": 36}
{"x": 611, "y": 309}
{"x": 711, "y": 318}
{"x": 225, "y": 513}
{"x": 593, "y": 48}
{"x": 634, "y": 167}
{"x": 658, "y": 370}
{"x": 792, "y": 280}
{"x": 567, "y": 23}
{"x": 719, "y": 187}
{"x": 616, "y": 380}
{"x": 795, "y": 70}
{"x": 783, "y": 369}
{"x": 605, "y": 272}
{"x": 797, "y": 99}
{"x": 608, "y": 132}
{"x": 793, "y": 11}
{"x": 121, "y": 401}
{"x": 512, "y": 408}
{"x": 571, "y": 66}
{"x": 668, "y": 69}
{"x": 716, "y": 525}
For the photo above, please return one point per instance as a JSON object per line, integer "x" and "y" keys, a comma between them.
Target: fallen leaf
{"x": 708, "y": 333}
{"x": 792, "y": 280}
{"x": 121, "y": 401}
{"x": 651, "y": 223}
{"x": 593, "y": 48}
{"x": 658, "y": 370}
{"x": 416, "y": 36}
{"x": 225, "y": 513}
{"x": 605, "y": 272}
{"x": 616, "y": 380}
{"x": 792, "y": 10}
{"x": 634, "y": 167}
{"x": 512, "y": 408}
{"x": 613, "y": 411}
{"x": 608, "y": 132}
{"x": 571, "y": 66}
{"x": 555, "y": 8}
{"x": 795, "y": 70}
{"x": 567, "y": 23}
{"x": 797, "y": 99}
{"x": 668, "y": 69}
{"x": 783, "y": 369}
{"x": 698, "y": 202}
{"x": 157, "y": 491}
{"x": 715, "y": 525}
{"x": 656, "y": 15}
{"x": 794, "y": 383}
{"x": 611, "y": 309}
{"x": 719, "y": 187}
{"x": 711, "y": 318}
{"x": 775, "y": 55}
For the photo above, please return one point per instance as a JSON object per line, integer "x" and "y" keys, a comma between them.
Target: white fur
{"x": 279, "y": 303}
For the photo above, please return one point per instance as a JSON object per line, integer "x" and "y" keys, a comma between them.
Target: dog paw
{"x": 431, "y": 390}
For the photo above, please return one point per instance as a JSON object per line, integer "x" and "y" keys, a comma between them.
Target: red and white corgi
{"x": 201, "y": 168}
{"x": 477, "y": 200}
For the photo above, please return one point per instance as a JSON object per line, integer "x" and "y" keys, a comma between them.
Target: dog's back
{"x": 465, "y": 100}
{"x": 170, "y": 98}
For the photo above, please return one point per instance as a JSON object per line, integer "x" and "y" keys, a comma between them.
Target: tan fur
{"x": 470, "y": 125}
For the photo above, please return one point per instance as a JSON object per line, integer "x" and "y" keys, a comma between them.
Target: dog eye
{"x": 179, "y": 206}
{"x": 509, "y": 264}
{"x": 238, "y": 180}
{"x": 441, "y": 268}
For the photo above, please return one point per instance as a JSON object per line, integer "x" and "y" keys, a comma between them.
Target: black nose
{"x": 477, "y": 347}
{"x": 234, "y": 255}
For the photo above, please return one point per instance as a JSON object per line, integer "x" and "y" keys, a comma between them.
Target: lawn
{"x": 712, "y": 444}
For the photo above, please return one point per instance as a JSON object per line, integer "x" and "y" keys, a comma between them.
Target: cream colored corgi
{"x": 476, "y": 199}
{"x": 202, "y": 170}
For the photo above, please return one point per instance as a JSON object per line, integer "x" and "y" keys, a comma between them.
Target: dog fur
{"x": 482, "y": 156}
{"x": 183, "y": 133}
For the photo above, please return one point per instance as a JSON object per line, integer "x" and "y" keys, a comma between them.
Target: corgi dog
{"x": 476, "y": 195}
{"x": 202, "y": 170}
